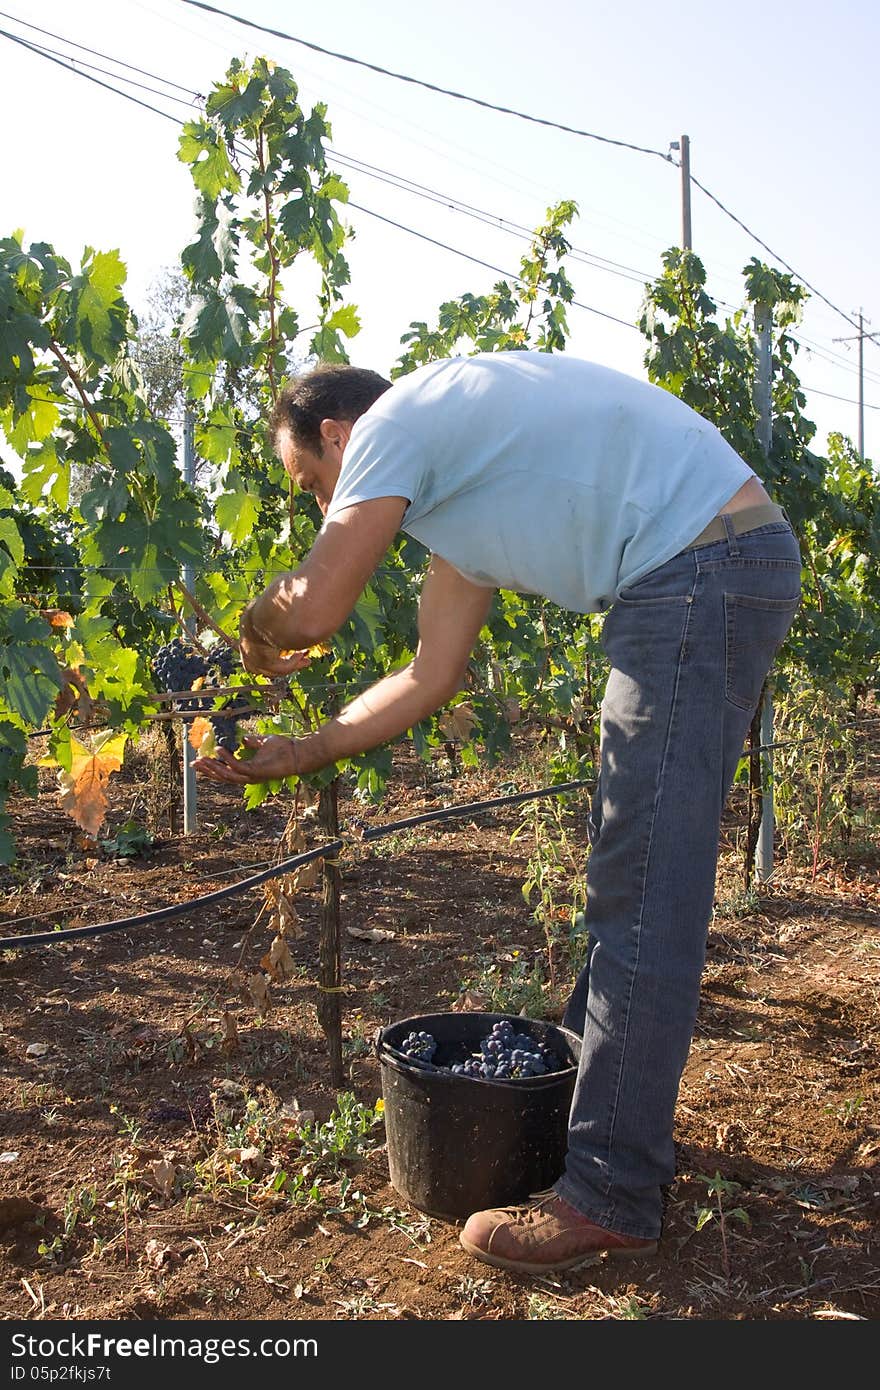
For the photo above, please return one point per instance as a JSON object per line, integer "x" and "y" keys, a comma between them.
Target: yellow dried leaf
{"x": 512, "y": 710}
{"x": 157, "y": 1255}
{"x": 74, "y": 692}
{"x": 371, "y": 933}
{"x": 250, "y": 1159}
{"x": 294, "y": 840}
{"x": 307, "y": 875}
{"x": 82, "y": 789}
{"x": 457, "y": 723}
{"x": 258, "y": 989}
{"x": 161, "y": 1175}
{"x": 111, "y": 748}
{"x": 287, "y": 918}
{"x": 278, "y": 962}
{"x": 201, "y": 737}
{"x": 56, "y": 617}
{"x": 229, "y": 1031}
{"x": 470, "y": 1001}
{"x": 282, "y": 908}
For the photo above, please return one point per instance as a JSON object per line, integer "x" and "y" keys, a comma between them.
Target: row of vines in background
{"x": 94, "y": 538}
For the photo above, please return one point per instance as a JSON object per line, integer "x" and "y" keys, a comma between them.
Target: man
{"x": 551, "y": 475}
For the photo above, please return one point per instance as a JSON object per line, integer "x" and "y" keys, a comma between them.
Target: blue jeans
{"x": 690, "y": 646}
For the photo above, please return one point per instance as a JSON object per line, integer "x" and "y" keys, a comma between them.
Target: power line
{"x": 834, "y": 359}
{"x": 384, "y": 175}
{"x": 96, "y": 53}
{"x": 489, "y": 219}
{"x": 768, "y": 249}
{"x": 412, "y": 232}
{"x": 582, "y": 256}
{"x": 42, "y": 53}
{"x": 625, "y": 272}
{"x": 400, "y": 181}
{"x": 476, "y": 260}
{"x": 429, "y": 86}
{"x": 846, "y": 399}
{"x": 80, "y": 63}
{"x": 521, "y": 115}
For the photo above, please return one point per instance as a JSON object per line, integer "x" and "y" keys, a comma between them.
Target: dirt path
{"x": 154, "y": 1161}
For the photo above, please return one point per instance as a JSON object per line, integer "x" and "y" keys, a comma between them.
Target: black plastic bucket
{"x": 458, "y": 1144}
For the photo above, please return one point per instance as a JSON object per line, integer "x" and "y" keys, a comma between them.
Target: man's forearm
{"x": 387, "y": 709}
{"x": 273, "y": 617}
{"x": 303, "y": 607}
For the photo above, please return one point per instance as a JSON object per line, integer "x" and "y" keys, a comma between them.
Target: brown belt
{"x": 746, "y": 520}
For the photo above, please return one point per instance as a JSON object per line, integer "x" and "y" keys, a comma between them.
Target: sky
{"x": 776, "y": 97}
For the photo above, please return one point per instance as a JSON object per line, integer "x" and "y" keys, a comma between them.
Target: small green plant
{"x": 52, "y": 1251}
{"x": 359, "y": 1041}
{"x": 722, "y": 1189}
{"x": 511, "y": 987}
{"x": 743, "y": 902}
{"x": 363, "y": 1304}
{"x": 848, "y": 1110}
{"x": 555, "y": 886}
{"x": 130, "y": 840}
{"x": 351, "y": 1202}
{"x": 630, "y": 1310}
{"x": 256, "y": 1127}
{"x": 176, "y": 1052}
{"x": 540, "y": 1309}
{"x": 416, "y": 1229}
{"x": 128, "y": 1127}
{"x": 301, "y": 1188}
{"x": 474, "y": 1291}
{"x": 79, "y": 1209}
{"x": 393, "y": 846}
{"x": 345, "y": 1135}
{"x": 29, "y": 1093}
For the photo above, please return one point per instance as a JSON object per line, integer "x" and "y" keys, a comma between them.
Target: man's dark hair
{"x": 333, "y": 391}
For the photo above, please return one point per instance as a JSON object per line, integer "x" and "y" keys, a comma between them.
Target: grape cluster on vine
{"x": 178, "y": 665}
{"x": 503, "y": 1055}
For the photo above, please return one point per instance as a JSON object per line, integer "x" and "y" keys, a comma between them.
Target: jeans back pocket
{"x": 755, "y": 629}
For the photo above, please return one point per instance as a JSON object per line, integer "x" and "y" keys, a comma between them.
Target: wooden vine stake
{"x": 330, "y": 946}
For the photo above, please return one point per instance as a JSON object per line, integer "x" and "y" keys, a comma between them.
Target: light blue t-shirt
{"x": 541, "y": 473}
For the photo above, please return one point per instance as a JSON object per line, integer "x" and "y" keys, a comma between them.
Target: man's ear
{"x": 336, "y": 432}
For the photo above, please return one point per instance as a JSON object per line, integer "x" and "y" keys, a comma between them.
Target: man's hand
{"x": 274, "y": 758}
{"x": 260, "y": 655}
{"x": 260, "y": 658}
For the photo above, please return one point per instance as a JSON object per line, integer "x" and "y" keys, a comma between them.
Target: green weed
{"x": 511, "y": 987}
{"x": 722, "y": 1189}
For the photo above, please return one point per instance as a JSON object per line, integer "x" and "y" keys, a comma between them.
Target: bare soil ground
{"x": 151, "y": 1160}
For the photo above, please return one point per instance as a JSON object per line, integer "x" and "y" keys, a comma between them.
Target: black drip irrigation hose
{"x": 286, "y": 866}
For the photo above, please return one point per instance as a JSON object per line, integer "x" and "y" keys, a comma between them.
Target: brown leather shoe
{"x": 543, "y": 1235}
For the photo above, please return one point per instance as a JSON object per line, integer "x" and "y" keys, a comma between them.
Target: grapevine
{"x": 178, "y": 666}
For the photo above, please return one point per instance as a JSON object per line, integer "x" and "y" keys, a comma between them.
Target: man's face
{"x": 312, "y": 472}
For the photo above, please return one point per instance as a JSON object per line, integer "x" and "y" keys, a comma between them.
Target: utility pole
{"x": 189, "y": 776}
{"x": 684, "y": 163}
{"x": 763, "y": 404}
{"x": 861, "y": 336}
